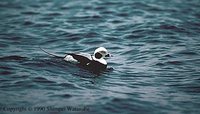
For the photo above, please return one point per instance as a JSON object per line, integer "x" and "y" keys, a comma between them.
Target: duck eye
{"x": 98, "y": 55}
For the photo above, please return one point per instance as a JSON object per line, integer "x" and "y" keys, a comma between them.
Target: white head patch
{"x": 103, "y": 51}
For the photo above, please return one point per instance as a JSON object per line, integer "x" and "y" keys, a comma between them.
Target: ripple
{"x": 92, "y": 42}
{"x": 63, "y": 95}
{"x": 6, "y": 68}
{"x": 20, "y": 77}
{"x": 185, "y": 52}
{"x": 170, "y": 27}
{"x": 47, "y": 18}
{"x": 22, "y": 83}
{"x": 68, "y": 85}
{"x": 128, "y": 52}
{"x": 155, "y": 48}
{"x": 99, "y": 8}
{"x": 30, "y": 13}
{"x": 134, "y": 36}
{"x": 53, "y": 14}
{"x": 91, "y": 35}
{"x": 35, "y": 5}
{"x": 122, "y": 14}
{"x": 27, "y": 23}
{"x": 42, "y": 24}
{"x": 64, "y": 7}
{"x": 4, "y": 80}
{"x": 6, "y": 72}
{"x": 192, "y": 89}
{"x": 85, "y": 19}
{"x": 11, "y": 37}
{"x": 10, "y": 5}
{"x": 108, "y": 12}
{"x": 3, "y": 45}
{"x": 175, "y": 62}
{"x": 117, "y": 21}
{"x": 160, "y": 64}
{"x": 13, "y": 57}
{"x": 42, "y": 80}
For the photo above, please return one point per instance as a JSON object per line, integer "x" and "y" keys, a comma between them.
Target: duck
{"x": 94, "y": 62}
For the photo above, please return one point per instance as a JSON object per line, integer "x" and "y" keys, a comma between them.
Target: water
{"x": 155, "y": 46}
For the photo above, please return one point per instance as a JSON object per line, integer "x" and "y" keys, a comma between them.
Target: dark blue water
{"x": 155, "y": 46}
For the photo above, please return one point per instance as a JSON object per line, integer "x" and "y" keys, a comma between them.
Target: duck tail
{"x": 51, "y": 54}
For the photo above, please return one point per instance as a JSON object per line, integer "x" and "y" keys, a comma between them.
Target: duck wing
{"x": 81, "y": 57}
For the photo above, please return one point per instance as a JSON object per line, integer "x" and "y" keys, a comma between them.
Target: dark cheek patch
{"x": 98, "y": 55}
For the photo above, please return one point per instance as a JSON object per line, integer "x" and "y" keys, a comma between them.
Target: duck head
{"x": 100, "y": 54}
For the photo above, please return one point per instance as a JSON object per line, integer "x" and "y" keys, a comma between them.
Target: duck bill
{"x": 108, "y": 55}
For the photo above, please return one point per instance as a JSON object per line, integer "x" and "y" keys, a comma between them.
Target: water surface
{"x": 155, "y": 46}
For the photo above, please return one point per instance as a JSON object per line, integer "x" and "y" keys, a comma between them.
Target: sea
{"x": 154, "y": 68}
